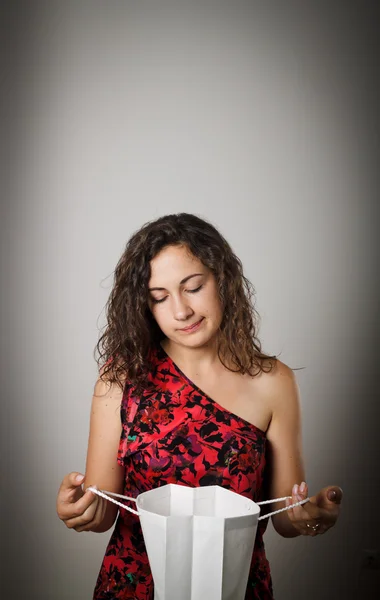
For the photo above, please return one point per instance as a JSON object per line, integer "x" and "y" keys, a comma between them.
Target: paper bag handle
{"x": 107, "y": 495}
{"x": 280, "y": 509}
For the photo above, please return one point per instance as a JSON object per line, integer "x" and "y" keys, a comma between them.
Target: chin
{"x": 196, "y": 341}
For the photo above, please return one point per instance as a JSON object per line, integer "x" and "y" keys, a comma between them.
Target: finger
{"x": 70, "y": 491}
{"x": 299, "y": 525}
{"x": 96, "y": 519}
{"x": 82, "y": 519}
{"x": 329, "y": 497}
{"x": 300, "y": 512}
{"x": 71, "y": 512}
{"x": 299, "y": 515}
{"x": 312, "y": 529}
{"x": 293, "y": 513}
{"x": 289, "y": 512}
{"x": 335, "y": 494}
{"x": 305, "y": 516}
{"x": 72, "y": 480}
{"x": 289, "y": 502}
{"x": 70, "y": 487}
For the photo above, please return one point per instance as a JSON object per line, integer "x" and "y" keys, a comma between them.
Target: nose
{"x": 182, "y": 311}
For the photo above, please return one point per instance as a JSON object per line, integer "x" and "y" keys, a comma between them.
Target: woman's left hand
{"x": 318, "y": 514}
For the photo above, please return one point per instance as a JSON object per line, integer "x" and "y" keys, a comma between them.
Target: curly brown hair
{"x": 131, "y": 330}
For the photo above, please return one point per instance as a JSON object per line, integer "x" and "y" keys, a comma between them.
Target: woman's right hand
{"x": 79, "y": 510}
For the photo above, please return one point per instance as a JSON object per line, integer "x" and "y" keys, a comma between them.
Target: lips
{"x": 191, "y": 327}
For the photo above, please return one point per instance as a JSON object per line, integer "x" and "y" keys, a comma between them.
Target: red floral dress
{"x": 175, "y": 433}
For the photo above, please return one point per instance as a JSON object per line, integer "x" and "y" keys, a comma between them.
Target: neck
{"x": 194, "y": 360}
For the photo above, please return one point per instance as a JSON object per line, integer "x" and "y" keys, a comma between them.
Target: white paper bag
{"x": 199, "y": 541}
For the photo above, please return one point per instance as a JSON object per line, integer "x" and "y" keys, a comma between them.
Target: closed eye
{"x": 196, "y": 289}
{"x": 155, "y": 301}
{"x": 158, "y": 301}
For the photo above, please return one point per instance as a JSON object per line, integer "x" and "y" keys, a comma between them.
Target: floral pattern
{"x": 174, "y": 433}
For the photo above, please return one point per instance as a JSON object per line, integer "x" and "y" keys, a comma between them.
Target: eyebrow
{"x": 159, "y": 289}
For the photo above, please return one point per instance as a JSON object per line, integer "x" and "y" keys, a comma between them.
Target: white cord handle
{"x": 280, "y": 509}
{"x": 106, "y": 495}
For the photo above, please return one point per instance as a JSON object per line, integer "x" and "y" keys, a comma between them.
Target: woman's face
{"x": 183, "y": 297}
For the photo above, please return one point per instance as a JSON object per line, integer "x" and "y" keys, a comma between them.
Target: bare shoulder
{"x": 104, "y": 389}
{"x": 278, "y": 376}
{"x": 279, "y": 384}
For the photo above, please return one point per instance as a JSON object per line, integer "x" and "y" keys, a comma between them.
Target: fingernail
{"x": 331, "y": 495}
{"x": 79, "y": 477}
{"x": 302, "y": 487}
{"x": 295, "y": 490}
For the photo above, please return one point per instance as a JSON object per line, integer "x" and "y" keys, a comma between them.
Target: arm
{"x": 102, "y": 468}
{"x": 86, "y": 511}
{"x": 286, "y": 468}
{"x": 285, "y": 461}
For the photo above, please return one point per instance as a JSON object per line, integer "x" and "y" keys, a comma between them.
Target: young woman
{"x": 186, "y": 395}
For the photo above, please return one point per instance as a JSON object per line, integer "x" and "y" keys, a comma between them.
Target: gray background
{"x": 257, "y": 115}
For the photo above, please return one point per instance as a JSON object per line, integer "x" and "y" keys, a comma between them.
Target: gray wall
{"x": 257, "y": 115}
